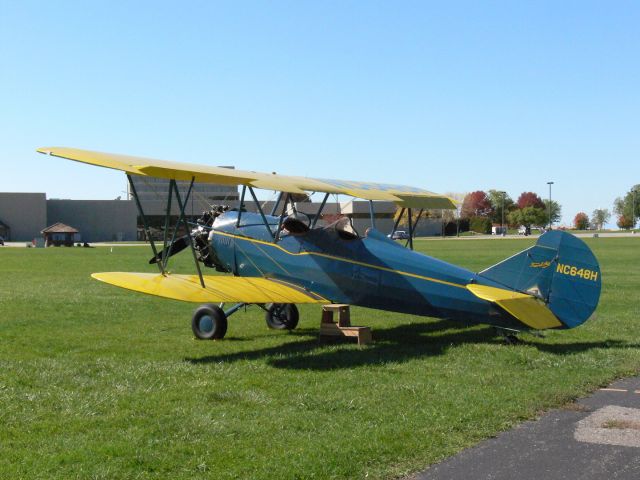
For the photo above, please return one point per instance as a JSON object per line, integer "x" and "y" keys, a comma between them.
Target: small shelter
{"x": 60, "y": 234}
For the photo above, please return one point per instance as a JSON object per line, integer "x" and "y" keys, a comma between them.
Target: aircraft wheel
{"x": 512, "y": 340}
{"x": 282, "y": 316}
{"x": 209, "y": 322}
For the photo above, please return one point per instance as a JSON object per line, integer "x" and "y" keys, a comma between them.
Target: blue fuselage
{"x": 371, "y": 271}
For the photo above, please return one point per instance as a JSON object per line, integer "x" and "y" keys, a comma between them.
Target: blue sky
{"x": 448, "y": 96}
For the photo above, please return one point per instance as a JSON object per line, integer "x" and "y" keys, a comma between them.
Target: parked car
{"x": 524, "y": 230}
{"x": 399, "y": 235}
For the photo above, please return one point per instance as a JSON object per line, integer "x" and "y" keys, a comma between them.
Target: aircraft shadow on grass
{"x": 397, "y": 344}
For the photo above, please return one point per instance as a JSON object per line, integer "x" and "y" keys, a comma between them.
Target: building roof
{"x": 59, "y": 228}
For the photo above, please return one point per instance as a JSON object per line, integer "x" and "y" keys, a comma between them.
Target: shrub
{"x": 480, "y": 224}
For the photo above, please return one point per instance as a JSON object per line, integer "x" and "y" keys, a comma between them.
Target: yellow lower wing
{"x": 526, "y": 308}
{"x": 217, "y": 288}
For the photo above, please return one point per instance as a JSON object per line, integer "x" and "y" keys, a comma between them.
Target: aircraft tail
{"x": 559, "y": 270}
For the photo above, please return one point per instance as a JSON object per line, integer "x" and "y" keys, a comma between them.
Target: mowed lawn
{"x": 99, "y": 382}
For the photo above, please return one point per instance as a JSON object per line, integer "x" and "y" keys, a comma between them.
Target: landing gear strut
{"x": 209, "y": 322}
{"x": 509, "y": 337}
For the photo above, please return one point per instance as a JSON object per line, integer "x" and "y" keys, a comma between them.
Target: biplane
{"x": 281, "y": 258}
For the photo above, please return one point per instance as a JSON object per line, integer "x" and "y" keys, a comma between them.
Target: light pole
{"x": 502, "y": 221}
{"x": 549, "y": 183}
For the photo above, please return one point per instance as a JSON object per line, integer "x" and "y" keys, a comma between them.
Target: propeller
{"x": 176, "y": 247}
{"x": 199, "y": 235}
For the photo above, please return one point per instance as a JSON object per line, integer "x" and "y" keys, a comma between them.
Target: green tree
{"x": 556, "y": 211}
{"x": 528, "y": 216}
{"x": 599, "y": 217}
{"x": 624, "y": 207}
{"x": 496, "y": 198}
{"x": 480, "y": 224}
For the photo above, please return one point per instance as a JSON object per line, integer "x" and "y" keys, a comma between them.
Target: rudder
{"x": 559, "y": 269}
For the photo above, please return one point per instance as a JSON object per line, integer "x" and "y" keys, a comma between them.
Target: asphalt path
{"x": 598, "y": 437}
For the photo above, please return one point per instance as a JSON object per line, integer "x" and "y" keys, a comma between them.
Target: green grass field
{"x": 99, "y": 382}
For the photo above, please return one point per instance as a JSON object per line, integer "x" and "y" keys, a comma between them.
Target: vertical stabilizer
{"x": 560, "y": 270}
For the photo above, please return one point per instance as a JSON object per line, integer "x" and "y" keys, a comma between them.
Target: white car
{"x": 399, "y": 235}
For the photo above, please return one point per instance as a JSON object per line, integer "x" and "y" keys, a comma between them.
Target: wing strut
{"x": 412, "y": 230}
{"x": 324, "y": 202}
{"x": 167, "y": 217}
{"x": 264, "y": 219}
{"x": 241, "y": 205}
{"x": 147, "y": 232}
{"x": 372, "y": 213}
{"x": 180, "y": 218}
{"x": 275, "y": 205}
{"x": 163, "y": 260}
{"x": 395, "y": 225}
{"x": 186, "y": 225}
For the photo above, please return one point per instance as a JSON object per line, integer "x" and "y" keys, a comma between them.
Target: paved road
{"x": 599, "y": 439}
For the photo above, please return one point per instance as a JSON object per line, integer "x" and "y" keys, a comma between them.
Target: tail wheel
{"x": 282, "y": 316}
{"x": 209, "y": 322}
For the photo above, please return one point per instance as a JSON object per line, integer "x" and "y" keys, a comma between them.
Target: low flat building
{"x": 97, "y": 220}
{"x": 25, "y": 214}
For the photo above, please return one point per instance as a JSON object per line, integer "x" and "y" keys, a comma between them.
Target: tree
{"x": 480, "y": 224}
{"x": 556, "y": 211}
{"x": 624, "y": 207}
{"x": 599, "y": 217}
{"x": 530, "y": 199}
{"x": 404, "y": 221}
{"x": 496, "y": 200}
{"x": 581, "y": 221}
{"x": 476, "y": 204}
{"x": 527, "y": 216}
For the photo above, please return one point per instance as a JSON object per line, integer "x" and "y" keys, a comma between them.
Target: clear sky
{"x": 449, "y": 96}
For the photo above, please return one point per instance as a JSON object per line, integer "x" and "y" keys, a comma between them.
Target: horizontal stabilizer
{"x": 526, "y": 308}
{"x": 217, "y": 288}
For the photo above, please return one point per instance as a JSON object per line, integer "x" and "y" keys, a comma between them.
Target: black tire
{"x": 282, "y": 316}
{"x": 209, "y": 322}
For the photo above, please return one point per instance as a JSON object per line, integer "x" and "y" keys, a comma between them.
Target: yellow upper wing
{"x": 400, "y": 194}
{"x": 217, "y": 288}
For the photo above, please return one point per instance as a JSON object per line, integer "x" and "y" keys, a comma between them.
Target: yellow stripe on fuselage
{"x": 341, "y": 259}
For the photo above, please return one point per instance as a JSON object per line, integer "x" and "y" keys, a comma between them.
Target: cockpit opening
{"x": 296, "y": 224}
{"x": 344, "y": 228}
